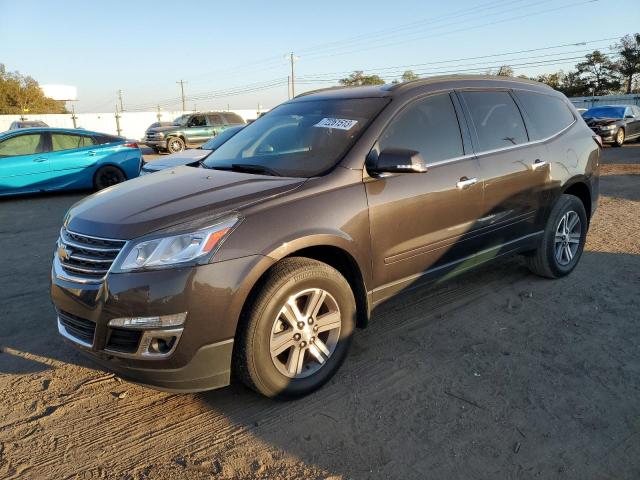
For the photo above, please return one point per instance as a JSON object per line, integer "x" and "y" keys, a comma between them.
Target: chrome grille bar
{"x": 85, "y": 258}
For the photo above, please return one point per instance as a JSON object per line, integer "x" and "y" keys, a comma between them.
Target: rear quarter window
{"x": 547, "y": 115}
{"x": 233, "y": 118}
{"x": 102, "y": 139}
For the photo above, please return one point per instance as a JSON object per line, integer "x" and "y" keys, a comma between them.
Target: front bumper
{"x": 212, "y": 295}
{"x": 158, "y": 143}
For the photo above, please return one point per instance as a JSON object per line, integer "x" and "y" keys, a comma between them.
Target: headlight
{"x": 178, "y": 249}
{"x": 160, "y": 135}
{"x": 608, "y": 127}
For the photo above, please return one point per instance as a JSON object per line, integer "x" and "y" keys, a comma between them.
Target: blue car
{"x": 47, "y": 159}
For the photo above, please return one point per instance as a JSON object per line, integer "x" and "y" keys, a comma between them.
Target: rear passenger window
{"x": 497, "y": 119}
{"x": 215, "y": 120}
{"x": 547, "y": 115}
{"x": 62, "y": 141}
{"x": 429, "y": 126}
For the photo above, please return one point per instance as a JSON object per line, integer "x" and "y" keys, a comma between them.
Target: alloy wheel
{"x": 567, "y": 238}
{"x": 305, "y": 333}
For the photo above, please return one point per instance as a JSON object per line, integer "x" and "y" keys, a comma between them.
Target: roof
{"x": 53, "y": 130}
{"x": 451, "y": 81}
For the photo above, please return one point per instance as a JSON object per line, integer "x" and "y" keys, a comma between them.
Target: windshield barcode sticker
{"x": 339, "y": 123}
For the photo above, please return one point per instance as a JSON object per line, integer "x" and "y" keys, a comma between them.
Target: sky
{"x": 233, "y": 54}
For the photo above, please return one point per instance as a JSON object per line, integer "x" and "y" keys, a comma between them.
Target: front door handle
{"x": 40, "y": 159}
{"x": 465, "y": 183}
{"x": 538, "y": 164}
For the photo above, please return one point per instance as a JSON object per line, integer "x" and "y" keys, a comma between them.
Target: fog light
{"x": 162, "y": 345}
{"x": 175, "y": 320}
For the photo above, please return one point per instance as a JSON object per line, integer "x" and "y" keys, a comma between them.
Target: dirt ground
{"x": 496, "y": 374}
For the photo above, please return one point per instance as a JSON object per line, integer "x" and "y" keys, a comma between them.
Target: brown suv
{"x": 265, "y": 260}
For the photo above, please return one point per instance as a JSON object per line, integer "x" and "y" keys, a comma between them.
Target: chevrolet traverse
{"x": 265, "y": 261}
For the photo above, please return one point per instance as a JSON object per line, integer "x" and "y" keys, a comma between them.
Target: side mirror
{"x": 396, "y": 160}
{"x": 629, "y": 116}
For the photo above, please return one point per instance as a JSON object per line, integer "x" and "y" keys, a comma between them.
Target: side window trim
{"x": 465, "y": 135}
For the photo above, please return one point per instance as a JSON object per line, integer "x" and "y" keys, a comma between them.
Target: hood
{"x": 600, "y": 122}
{"x": 171, "y": 197}
{"x": 163, "y": 129}
{"x": 186, "y": 157}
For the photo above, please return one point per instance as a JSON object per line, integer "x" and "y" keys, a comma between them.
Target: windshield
{"x": 604, "y": 112}
{"x": 219, "y": 139}
{"x": 181, "y": 120}
{"x": 300, "y": 139}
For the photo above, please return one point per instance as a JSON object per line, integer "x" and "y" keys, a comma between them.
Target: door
{"x": 422, "y": 221}
{"x": 24, "y": 162}
{"x": 198, "y": 130}
{"x": 632, "y": 114}
{"x": 73, "y": 159}
{"x": 216, "y": 124}
{"x": 515, "y": 171}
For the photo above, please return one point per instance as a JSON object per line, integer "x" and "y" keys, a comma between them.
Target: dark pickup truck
{"x": 190, "y": 130}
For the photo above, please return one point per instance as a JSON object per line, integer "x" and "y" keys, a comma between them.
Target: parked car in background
{"x": 46, "y": 159}
{"x": 191, "y": 157}
{"x": 27, "y": 124}
{"x": 190, "y": 130}
{"x": 614, "y": 123}
{"x": 312, "y": 216}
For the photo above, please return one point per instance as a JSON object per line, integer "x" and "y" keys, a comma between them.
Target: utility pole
{"x": 159, "y": 115}
{"x": 120, "y": 98}
{"x": 118, "y": 121}
{"x": 182, "y": 82}
{"x": 73, "y": 115}
{"x": 292, "y": 58}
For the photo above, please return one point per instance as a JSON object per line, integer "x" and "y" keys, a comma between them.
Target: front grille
{"x": 125, "y": 341}
{"x": 84, "y": 258}
{"x": 79, "y": 328}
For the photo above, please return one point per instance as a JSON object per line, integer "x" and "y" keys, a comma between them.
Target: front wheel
{"x": 175, "y": 145}
{"x": 620, "y": 136}
{"x": 297, "y": 329}
{"x": 563, "y": 240}
{"x": 107, "y": 176}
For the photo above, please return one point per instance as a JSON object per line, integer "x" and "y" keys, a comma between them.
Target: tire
{"x": 108, "y": 176}
{"x": 268, "y": 319}
{"x": 552, "y": 259}
{"x": 175, "y": 144}
{"x": 620, "y": 137}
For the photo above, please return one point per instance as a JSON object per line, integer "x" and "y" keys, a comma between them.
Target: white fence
{"x": 132, "y": 124}
{"x": 588, "y": 102}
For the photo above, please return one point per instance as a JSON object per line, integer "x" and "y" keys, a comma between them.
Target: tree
{"x": 554, "y": 80}
{"x": 629, "y": 62}
{"x": 505, "y": 71}
{"x": 409, "y": 75}
{"x": 599, "y": 72}
{"x": 21, "y": 94}
{"x": 358, "y": 79}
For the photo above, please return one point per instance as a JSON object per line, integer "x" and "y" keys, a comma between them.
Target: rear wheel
{"x": 175, "y": 145}
{"x": 297, "y": 329}
{"x": 563, "y": 240}
{"x": 620, "y": 137}
{"x": 107, "y": 176}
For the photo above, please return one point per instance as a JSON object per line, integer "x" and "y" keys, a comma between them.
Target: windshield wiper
{"x": 248, "y": 168}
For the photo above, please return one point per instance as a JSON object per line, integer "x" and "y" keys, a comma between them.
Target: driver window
{"x": 197, "y": 121}
{"x": 429, "y": 126}
{"x": 22, "y": 145}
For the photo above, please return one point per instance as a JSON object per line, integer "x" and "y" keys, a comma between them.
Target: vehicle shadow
{"x": 450, "y": 379}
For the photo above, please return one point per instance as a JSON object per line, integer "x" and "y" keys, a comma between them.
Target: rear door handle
{"x": 465, "y": 183}
{"x": 40, "y": 159}
{"x": 91, "y": 152}
{"x": 537, "y": 164}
